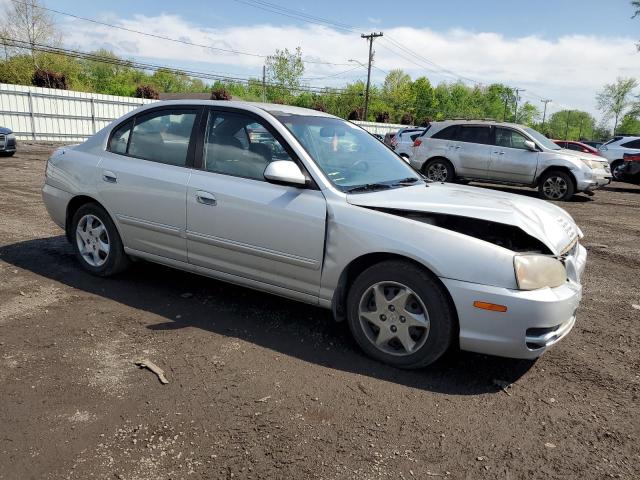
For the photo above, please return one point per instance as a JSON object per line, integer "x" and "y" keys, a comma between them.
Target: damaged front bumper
{"x": 534, "y": 321}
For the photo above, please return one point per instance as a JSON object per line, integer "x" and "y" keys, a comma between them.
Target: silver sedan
{"x": 305, "y": 205}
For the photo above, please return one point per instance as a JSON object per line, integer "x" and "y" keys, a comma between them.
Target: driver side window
{"x": 508, "y": 138}
{"x": 238, "y": 145}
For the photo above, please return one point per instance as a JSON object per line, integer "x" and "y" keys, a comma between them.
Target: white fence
{"x": 35, "y": 113}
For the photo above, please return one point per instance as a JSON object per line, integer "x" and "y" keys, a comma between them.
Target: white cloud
{"x": 569, "y": 69}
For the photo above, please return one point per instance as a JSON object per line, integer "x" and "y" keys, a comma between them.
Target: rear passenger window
{"x": 163, "y": 136}
{"x": 632, "y": 144}
{"x": 446, "y": 133}
{"x": 472, "y": 134}
{"x": 237, "y": 145}
{"x": 120, "y": 138}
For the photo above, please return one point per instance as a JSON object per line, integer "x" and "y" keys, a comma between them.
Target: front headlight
{"x": 593, "y": 164}
{"x": 538, "y": 271}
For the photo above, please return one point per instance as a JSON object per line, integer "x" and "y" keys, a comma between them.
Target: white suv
{"x": 614, "y": 151}
{"x": 508, "y": 153}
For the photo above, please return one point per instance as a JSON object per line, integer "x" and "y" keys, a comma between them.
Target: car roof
{"x": 446, "y": 123}
{"x": 272, "y": 108}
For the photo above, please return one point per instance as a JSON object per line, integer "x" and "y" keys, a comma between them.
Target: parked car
{"x": 496, "y": 152}
{"x": 577, "y": 147}
{"x": 388, "y": 137}
{"x": 631, "y": 168}
{"x": 413, "y": 266}
{"x": 614, "y": 151}
{"x": 592, "y": 143}
{"x": 7, "y": 142}
{"x": 402, "y": 142}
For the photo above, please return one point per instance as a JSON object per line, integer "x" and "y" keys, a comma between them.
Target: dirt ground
{"x": 262, "y": 387}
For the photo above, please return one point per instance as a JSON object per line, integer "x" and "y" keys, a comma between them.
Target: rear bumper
{"x": 534, "y": 321}
{"x": 56, "y": 201}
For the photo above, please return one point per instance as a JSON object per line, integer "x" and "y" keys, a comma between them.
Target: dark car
{"x": 577, "y": 146}
{"x": 593, "y": 143}
{"x": 7, "y": 142}
{"x": 631, "y": 168}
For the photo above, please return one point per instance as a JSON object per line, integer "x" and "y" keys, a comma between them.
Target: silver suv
{"x": 506, "y": 153}
{"x": 402, "y": 142}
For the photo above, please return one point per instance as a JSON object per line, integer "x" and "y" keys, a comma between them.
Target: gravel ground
{"x": 262, "y": 387}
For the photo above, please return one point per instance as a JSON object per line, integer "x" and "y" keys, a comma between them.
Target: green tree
{"x": 422, "y": 94}
{"x": 616, "y": 99}
{"x": 630, "y": 124}
{"x": 284, "y": 69}
{"x": 528, "y": 114}
{"x": 570, "y": 125}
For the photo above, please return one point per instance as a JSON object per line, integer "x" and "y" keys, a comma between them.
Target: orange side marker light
{"x": 490, "y": 306}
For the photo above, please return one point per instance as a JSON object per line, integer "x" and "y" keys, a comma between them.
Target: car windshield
{"x": 541, "y": 139}
{"x": 351, "y": 158}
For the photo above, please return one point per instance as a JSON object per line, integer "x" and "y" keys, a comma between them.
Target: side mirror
{"x": 530, "y": 145}
{"x": 284, "y": 172}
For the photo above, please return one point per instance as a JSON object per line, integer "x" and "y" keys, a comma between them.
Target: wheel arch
{"x": 72, "y": 207}
{"x": 557, "y": 168}
{"x": 438, "y": 157}
{"x": 360, "y": 264}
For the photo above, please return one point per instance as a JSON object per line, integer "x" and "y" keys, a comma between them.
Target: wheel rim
{"x": 93, "y": 240}
{"x": 393, "y": 318}
{"x": 437, "y": 172}
{"x": 555, "y": 187}
{"x": 617, "y": 171}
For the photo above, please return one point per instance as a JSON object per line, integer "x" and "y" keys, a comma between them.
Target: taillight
{"x": 417, "y": 142}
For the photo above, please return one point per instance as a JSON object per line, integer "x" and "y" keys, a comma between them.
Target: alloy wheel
{"x": 617, "y": 171}
{"x": 92, "y": 240}
{"x": 437, "y": 172}
{"x": 555, "y": 187}
{"x": 393, "y": 318}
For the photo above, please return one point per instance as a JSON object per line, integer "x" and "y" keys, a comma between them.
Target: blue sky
{"x": 565, "y": 50}
{"x": 549, "y": 18}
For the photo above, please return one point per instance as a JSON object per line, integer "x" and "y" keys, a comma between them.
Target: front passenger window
{"x": 510, "y": 139}
{"x": 235, "y": 144}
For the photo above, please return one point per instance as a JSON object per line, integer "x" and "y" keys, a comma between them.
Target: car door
{"x": 511, "y": 160}
{"x": 240, "y": 224}
{"x": 143, "y": 179}
{"x": 470, "y": 150}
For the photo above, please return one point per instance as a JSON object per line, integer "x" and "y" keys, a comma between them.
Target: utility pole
{"x": 544, "y": 115}
{"x": 369, "y": 37}
{"x": 515, "y": 114}
{"x": 264, "y": 83}
{"x": 506, "y": 101}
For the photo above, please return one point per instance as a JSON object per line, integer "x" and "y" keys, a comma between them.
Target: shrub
{"x": 383, "y": 117}
{"x": 50, "y": 79}
{"x": 406, "y": 119}
{"x": 146, "y": 91}
{"x": 220, "y": 93}
{"x": 356, "y": 114}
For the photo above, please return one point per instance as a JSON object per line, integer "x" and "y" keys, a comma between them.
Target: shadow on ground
{"x": 265, "y": 320}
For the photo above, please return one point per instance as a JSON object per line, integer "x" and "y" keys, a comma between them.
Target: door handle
{"x": 206, "y": 198}
{"x": 499, "y": 153}
{"x": 110, "y": 177}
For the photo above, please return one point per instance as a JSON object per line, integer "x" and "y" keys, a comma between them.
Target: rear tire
{"x": 439, "y": 170}
{"x": 399, "y": 314}
{"x": 7, "y": 154}
{"x": 557, "y": 186}
{"x": 96, "y": 241}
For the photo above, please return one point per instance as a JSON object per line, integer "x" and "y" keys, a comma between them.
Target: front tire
{"x": 439, "y": 170}
{"x": 399, "y": 314}
{"x": 96, "y": 241}
{"x": 556, "y": 185}
{"x": 7, "y": 154}
{"x": 616, "y": 170}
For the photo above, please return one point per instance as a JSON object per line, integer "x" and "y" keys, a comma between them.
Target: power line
{"x": 161, "y": 37}
{"x": 154, "y": 67}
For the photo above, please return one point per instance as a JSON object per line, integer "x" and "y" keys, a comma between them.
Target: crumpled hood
{"x": 550, "y": 224}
